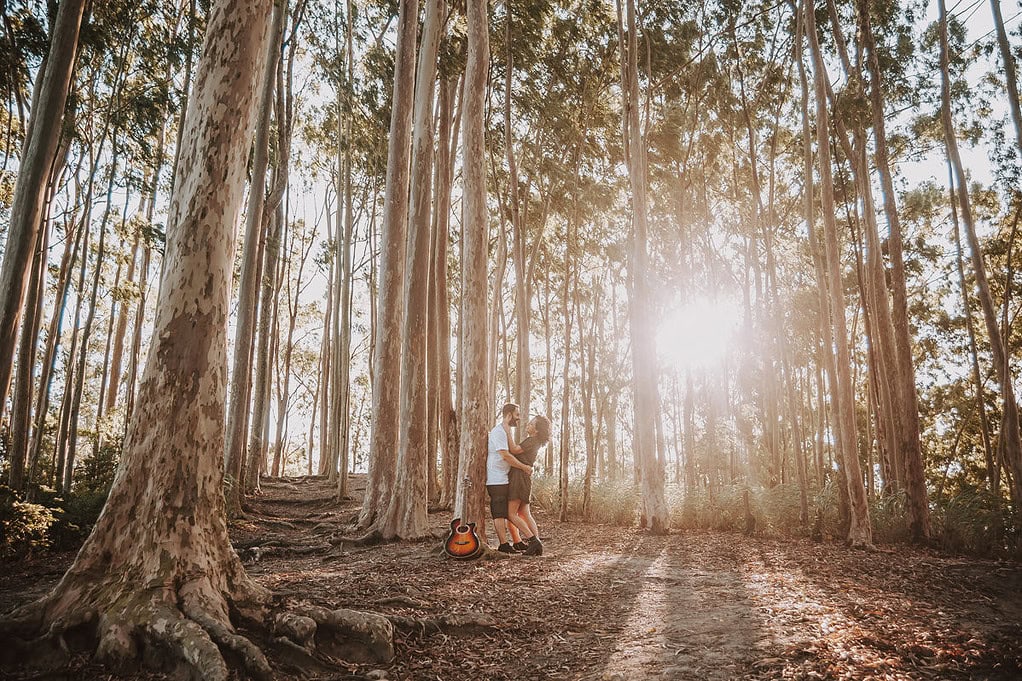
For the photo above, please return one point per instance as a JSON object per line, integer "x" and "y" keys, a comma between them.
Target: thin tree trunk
{"x": 326, "y": 458}
{"x": 1011, "y": 442}
{"x": 993, "y": 469}
{"x": 256, "y": 462}
{"x": 566, "y": 316}
{"x": 1010, "y": 76}
{"x": 447, "y": 139}
{"x": 386, "y": 378}
{"x": 248, "y": 284}
{"x": 406, "y": 516}
{"x": 21, "y": 411}
{"x": 523, "y": 373}
{"x": 549, "y": 366}
{"x": 40, "y": 149}
{"x": 859, "y": 530}
{"x": 641, "y": 300}
{"x": 340, "y": 363}
{"x": 475, "y": 409}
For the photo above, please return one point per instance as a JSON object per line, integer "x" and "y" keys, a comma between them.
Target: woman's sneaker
{"x": 507, "y": 548}
{"x": 520, "y": 545}
{"x": 535, "y": 548}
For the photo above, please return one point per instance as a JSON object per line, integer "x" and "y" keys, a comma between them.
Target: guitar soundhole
{"x": 462, "y": 529}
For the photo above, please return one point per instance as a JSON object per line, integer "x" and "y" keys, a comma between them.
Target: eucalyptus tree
{"x": 904, "y": 377}
{"x": 274, "y": 221}
{"x": 251, "y": 269}
{"x": 644, "y": 385}
{"x": 40, "y": 148}
{"x": 387, "y": 355}
{"x": 859, "y": 530}
{"x": 1010, "y": 443}
{"x": 406, "y": 514}
{"x": 163, "y": 529}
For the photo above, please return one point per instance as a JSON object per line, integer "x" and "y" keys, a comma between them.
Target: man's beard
{"x": 514, "y": 422}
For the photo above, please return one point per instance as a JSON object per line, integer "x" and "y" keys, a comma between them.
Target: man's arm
{"x": 513, "y": 461}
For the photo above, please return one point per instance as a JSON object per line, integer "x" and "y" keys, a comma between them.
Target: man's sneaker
{"x": 507, "y": 548}
{"x": 520, "y": 545}
{"x": 535, "y": 548}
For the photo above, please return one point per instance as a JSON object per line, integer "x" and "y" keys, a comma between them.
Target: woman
{"x": 520, "y": 485}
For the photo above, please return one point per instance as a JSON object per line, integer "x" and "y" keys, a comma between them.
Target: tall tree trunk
{"x": 643, "y": 342}
{"x": 40, "y": 149}
{"x": 587, "y": 366}
{"x": 22, "y": 404}
{"x": 1010, "y": 75}
{"x": 904, "y": 377}
{"x": 342, "y": 311}
{"x": 859, "y": 530}
{"x": 406, "y": 516}
{"x": 548, "y": 467}
{"x": 158, "y": 569}
{"x": 566, "y": 385}
{"x": 384, "y": 442}
{"x": 993, "y": 469}
{"x": 248, "y": 282}
{"x": 1011, "y": 443}
{"x": 475, "y": 402}
{"x": 447, "y": 139}
{"x": 256, "y": 460}
{"x": 327, "y": 462}
{"x": 523, "y": 374}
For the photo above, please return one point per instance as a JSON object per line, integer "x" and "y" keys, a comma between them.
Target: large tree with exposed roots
{"x": 158, "y": 580}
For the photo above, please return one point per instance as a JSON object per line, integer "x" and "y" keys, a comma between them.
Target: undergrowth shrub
{"x": 24, "y": 527}
{"x": 974, "y": 521}
{"x": 610, "y": 502}
{"x": 969, "y": 522}
{"x": 74, "y": 515}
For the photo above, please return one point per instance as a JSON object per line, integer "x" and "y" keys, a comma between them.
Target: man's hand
{"x": 514, "y": 462}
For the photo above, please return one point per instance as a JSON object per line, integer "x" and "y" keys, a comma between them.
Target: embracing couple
{"x": 509, "y": 480}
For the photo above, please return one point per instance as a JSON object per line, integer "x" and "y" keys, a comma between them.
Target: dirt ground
{"x": 606, "y": 603}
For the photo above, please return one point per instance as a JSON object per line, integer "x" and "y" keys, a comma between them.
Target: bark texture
{"x": 158, "y": 578}
{"x": 389, "y": 324}
{"x": 475, "y": 403}
{"x": 859, "y": 530}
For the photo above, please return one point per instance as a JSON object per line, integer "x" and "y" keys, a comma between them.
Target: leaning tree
{"x": 158, "y": 579}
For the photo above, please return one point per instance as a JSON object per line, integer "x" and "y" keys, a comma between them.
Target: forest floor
{"x": 606, "y": 603}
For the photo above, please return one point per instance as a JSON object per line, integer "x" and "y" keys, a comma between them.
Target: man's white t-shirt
{"x": 496, "y": 467}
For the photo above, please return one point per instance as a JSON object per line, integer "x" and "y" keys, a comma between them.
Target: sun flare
{"x": 698, "y": 333}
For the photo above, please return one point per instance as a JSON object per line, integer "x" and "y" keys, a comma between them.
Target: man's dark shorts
{"x": 498, "y": 500}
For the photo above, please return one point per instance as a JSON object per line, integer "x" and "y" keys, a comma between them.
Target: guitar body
{"x": 463, "y": 542}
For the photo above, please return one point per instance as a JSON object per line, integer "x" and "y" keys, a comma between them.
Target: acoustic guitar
{"x": 463, "y": 542}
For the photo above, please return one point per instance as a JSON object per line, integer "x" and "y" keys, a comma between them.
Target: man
{"x": 499, "y": 461}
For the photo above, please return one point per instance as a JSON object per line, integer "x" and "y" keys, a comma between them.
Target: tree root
{"x": 192, "y": 637}
{"x": 364, "y": 636}
{"x": 454, "y": 623}
{"x": 256, "y": 553}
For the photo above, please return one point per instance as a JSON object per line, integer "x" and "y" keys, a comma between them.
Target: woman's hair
{"x": 542, "y": 427}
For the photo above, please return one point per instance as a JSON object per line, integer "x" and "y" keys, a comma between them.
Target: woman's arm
{"x": 512, "y": 446}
